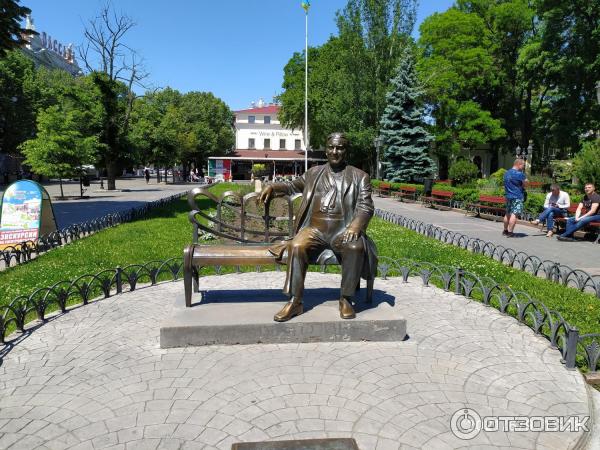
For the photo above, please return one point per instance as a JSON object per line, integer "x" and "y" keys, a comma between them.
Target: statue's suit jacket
{"x": 357, "y": 207}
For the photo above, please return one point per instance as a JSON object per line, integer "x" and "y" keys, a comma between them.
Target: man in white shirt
{"x": 556, "y": 205}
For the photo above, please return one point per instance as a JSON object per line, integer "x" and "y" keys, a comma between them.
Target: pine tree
{"x": 405, "y": 140}
{"x": 11, "y": 32}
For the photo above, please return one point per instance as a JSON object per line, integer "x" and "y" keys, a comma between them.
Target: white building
{"x": 260, "y": 139}
{"x": 46, "y": 51}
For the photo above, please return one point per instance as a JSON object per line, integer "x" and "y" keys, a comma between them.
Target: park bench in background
{"x": 384, "y": 190}
{"x": 534, "y": 185}
{"x": 238, "y": 222}
{"x": 438, "y": 199}
{"x": 560, "y": 222}
{"x": 488, "y": 205}
{"x": 406, "y": 192}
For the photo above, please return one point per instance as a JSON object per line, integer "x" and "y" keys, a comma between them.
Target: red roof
{"x": 272, "y": 154}
{"x": 270, "y": 109}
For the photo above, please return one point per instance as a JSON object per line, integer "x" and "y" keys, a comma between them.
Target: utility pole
{"x": 306, "y": 6}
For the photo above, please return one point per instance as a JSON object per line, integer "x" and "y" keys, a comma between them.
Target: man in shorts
{"x": 514, "y": 192}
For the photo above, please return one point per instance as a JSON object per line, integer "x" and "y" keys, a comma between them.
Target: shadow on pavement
{"x": 312, "y": 297}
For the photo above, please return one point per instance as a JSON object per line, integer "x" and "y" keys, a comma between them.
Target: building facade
{"x": 261, "y": 139}
{"x": 47, "y": 52}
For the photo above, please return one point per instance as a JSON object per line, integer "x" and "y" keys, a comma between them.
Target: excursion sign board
{"x": 25, "y": 213}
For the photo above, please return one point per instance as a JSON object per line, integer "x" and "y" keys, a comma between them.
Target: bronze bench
{"x": 250, "y": 246}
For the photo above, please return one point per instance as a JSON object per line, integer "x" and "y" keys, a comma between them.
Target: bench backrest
{"x": 385, "y": 186}
{"x": 239, "y": 218}
{"x": 444, "y": 194}
{"x": 408, "y": 189}
{"x": 492, "y": 199}
{"x": 534, "y": 184}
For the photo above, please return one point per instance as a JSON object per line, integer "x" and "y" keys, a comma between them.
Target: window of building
{"x": 282, "y": 144}
{"x": 251, "y": 119}
{"x": 267, "y": 119}
{"x": 267, "y": 143}
{"x": 251, "y": 143}
{"x": 297, "y": 144}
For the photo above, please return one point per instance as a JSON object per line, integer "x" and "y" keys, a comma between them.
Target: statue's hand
{"x": 350, "y": 235}
{"x": 266, "y": 194}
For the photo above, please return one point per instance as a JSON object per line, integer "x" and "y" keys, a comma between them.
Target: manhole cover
{"x": 304, "y": 444}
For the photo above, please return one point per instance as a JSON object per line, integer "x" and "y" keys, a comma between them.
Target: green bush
{"x": 260, "y": 169}
{"x": 463, "y": 172}
{"x": 498, "y": 176}
{"x": 586, "y": 164}
{"x": 488, "y": 185}
{"x": 562, "y": 170}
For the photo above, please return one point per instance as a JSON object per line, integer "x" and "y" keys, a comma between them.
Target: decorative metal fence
{"x": 550, "y": 270}
{"x": 576, "y": 350}
{"x": 27, "y": 250}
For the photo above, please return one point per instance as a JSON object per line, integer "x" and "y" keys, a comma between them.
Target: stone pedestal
{"x": 246, "y": 317}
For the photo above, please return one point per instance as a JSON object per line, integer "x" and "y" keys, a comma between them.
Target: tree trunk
{"x": 62, "y": 194}
{"x": 443, "y": 167}
{"x": 111, "y": 176}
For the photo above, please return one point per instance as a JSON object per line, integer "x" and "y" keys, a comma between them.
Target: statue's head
{"x": 337, "y": 145}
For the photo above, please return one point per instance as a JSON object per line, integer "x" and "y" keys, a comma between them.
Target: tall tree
{"x": 168, "y": 127}
{"x": 458, "y": 71}
{"x": 18, "y": 97}
{"x": 11, "y": 33}
{"x": 569, "y": 47}
{"x": 349, "y": 75}
{"x": 116, "y": 70}
{"x": 60, "y": 148}
{"x": 405, "y": 140}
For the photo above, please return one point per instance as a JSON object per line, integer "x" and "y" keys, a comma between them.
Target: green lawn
{"x": 167, "y": 231}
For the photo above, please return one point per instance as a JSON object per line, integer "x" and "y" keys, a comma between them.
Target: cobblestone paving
{"x": 96, "y": 378}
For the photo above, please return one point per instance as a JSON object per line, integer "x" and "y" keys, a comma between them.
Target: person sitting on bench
{"x": 556, "y": 205}
{"x": 587, "y": 211}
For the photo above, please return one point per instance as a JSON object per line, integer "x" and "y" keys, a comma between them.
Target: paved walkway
{"x": 132, "y": 192}
{"x": 96, "y": 378}
{"x": 577, "y": 255}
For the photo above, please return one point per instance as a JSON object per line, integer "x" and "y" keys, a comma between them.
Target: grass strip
{"x": 167, "y": 230}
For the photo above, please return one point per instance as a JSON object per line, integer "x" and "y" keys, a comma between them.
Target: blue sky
{"x": 234, "y": 48}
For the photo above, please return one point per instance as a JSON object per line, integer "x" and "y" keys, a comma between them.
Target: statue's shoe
{"x": 291, "y": 309}
{"x": 346, "y": 310}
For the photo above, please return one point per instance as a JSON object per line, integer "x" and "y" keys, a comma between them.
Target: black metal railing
{"x": 576, "y": 350}
{"x": 550, "y": 270}
{"x": 27, "y": 250}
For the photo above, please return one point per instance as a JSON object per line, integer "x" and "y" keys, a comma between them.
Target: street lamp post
{"x": 377, "y": 141}
{"x": 306, "y": 6}
{"x": 525, "y": 153}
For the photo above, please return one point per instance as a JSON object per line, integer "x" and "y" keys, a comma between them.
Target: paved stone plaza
{"x": 96, "y": 378}
{"x": 577, "y": 255}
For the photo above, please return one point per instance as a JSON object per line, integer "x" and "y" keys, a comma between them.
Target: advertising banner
{"x": 220, "y": 167}
{"x": 21, "y": 213}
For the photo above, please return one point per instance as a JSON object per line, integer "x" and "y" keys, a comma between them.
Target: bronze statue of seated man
{"x": 333, "y": 217}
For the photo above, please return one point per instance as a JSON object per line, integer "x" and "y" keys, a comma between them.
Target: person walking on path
{"x": 147, "y": 175}
{"x": 514, "y": 192}
{"x": 589, "y": 207}
{"x": 556, "y": 205}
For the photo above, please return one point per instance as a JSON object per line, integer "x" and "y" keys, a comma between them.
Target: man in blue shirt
{"x": 514, "y": 192}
